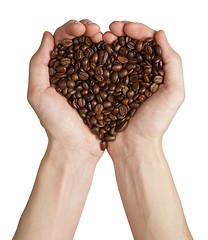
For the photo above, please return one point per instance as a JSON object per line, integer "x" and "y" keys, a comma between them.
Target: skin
{"x": 64, "y": 178}
{"x": 66, "y": 171}
{"x": 149, "y": 196}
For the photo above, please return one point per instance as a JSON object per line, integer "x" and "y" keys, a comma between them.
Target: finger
{"x": 69, "y": 30}
{"x": 91, "y": 29}
{"x": 109, "y": 37}
{"x": 38, "y": 72}
{"x": 117, "y": 28}
{"x": 97, "y": 38}
{"x": 172, "y": 63}
{"x": 138, "y": 31}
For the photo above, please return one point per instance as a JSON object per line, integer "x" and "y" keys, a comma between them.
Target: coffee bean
{"x": 67, "y": 43}
{"x": 96, "y": 89}
{"x": 122, "y": 59}
{"x": 95, "y": 130}
{"x": 131, "y": 113}
{"x": 122, "y": 126}
{"x": 158, "y": 50}
{"x": 123, "y": 73}
{"x": 103, "y": 145}
{"x": 114, "y": 77}
{"x": 83, "y": 111}
{"x": 89, "y": 97}
{"x": 81, "y": 102}
{"x": 83, "y": 76}
{"x": 123, "y": 110}
{"x": 139, "y": 46}
{"x": 106, "y": 83}
{"x": 75, "y": 77}
{"x": 52, "y": 71}
{"x": 130, "y": 93}
{"x": 106, "y": 104}
{"x": 158, "y": 79}
{"x": 154, "y": 87}
{"x": 98, "y": 108}
{"x": 102, "y": 57}
{"x": 93, "y": 120}
{"x": 134, "y": 105}
{"x": 117, "y": 67}
{"x": 110, "y": 138}
{"x": 65, "y": 62}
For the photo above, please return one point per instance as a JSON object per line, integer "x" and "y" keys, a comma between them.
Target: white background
{"x": 23, "y": 140}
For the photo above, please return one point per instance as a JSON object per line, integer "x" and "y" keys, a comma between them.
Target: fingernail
{"x": 125, "y": 21}
{"x": 74, "y": 21}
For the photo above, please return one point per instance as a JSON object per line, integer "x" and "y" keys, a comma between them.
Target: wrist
{"x": 63, "y": 157}
{"x": 138, "y": 149}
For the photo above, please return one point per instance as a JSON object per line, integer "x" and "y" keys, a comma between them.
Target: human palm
{"x": 59, "y": 119}
{"x": 155, "y": 114}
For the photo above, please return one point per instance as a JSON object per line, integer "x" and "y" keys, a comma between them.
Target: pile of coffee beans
{"x": 106, "y": 83}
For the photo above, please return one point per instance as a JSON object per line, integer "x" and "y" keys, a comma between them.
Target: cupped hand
{"x": 154, "y": 116}
{"x": 61, "y": 122}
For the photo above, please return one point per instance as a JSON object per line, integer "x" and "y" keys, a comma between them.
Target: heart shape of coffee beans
{"x": 106, "y": 83}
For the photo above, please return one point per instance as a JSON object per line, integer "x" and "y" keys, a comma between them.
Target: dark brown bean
{"x": 158, "y": 79}
{"x": 123, "y": 73}
{"x": 122, "y": 126}
{"x": 154, "y": 87}
{"x": 98, "y": 108}
{"x": 83, "y": 76}
{"x": 110, "y": 138}
{"x": 103, "y": 145}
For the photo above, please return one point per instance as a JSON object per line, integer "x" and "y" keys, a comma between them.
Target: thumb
{"x": 38, "y": 70}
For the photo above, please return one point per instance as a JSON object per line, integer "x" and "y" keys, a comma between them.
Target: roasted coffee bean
{"x": 52, "y": 71}
{"x": 83, "y": 76}
{"x": 89, "y": 97}
{"x": 117, "y": 67}
{"x": 93, "y": 120}
{"x": 81, "y": 102}
{"x": 103, "y": 145}
{"x": 158, "y": 50}
{"x": 130, "y": 93}
{"x": 106, "y": 83}
{"x": 95, "y": 130}
{"x": 158, "y": 79}
{"x": 123, "y": 110}
{"x": 147, "y": 93}
{"x": 65, "y": 62}
{"x": 122, "y": 126}
{"x": 110, "y": 138}
{"x": 67, "y": 43}
{"x": 96, "y": 89}
{"x": 103, "y": 94}
{"x": 134, "y": 105}
{"x": 75, "y": 77}
{"x": 154, "y": 87}
{"x": 139, "y": 46}
{"x": 82, "y": 112}
{"x": 98, "y": 108}
{"x": 102, "y": 57}
{"x": 122, "y": 59}
{"x": 106, "y": 104}
{"x": 131, "y": 113}
{"x": 123, "y": 73}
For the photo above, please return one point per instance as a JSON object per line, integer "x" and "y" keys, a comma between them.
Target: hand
{"x": 154, "y": 116}
{"x": 61, "y": 122}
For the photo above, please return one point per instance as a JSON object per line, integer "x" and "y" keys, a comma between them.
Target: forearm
{"x": 57, "y": 200}
{"x": 149, "y": 195}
